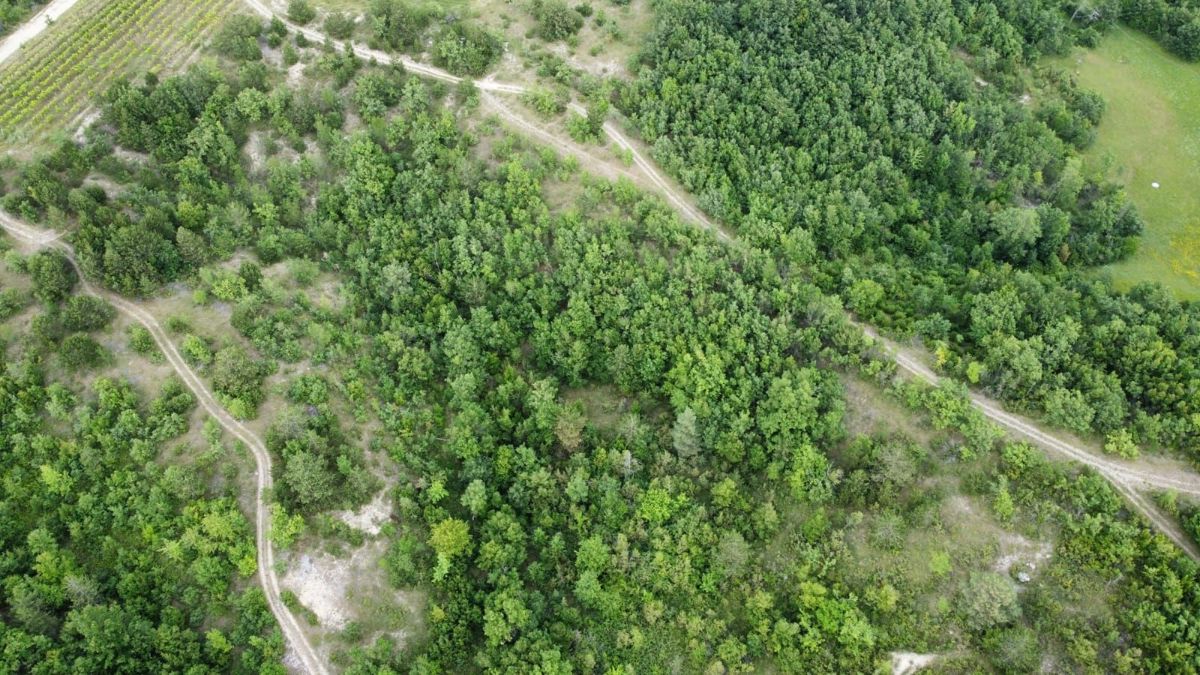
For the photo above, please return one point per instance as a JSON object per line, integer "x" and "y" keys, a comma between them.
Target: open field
{"x": 1150, "y": 134}
{"x": 56, "y": 76}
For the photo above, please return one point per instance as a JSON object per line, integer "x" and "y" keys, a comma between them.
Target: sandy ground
{"x": 322, "y": 581}
{"x": 1024, "y": 555}
{"x": 906, "y": 663}
{"x": 351, "y": 590}
{"x": 33, "y": 27}
{"x": 371, "y": 517}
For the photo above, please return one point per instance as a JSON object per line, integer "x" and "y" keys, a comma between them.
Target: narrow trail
{"x": 490, "y": 86}
{"x": 37, "y": 239}
{"x": 1126, "y": 477}
{"x": 1142, "y": 474}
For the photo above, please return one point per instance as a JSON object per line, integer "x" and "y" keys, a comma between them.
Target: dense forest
{"x": 704, "y": 522}
{"x": 887, "y": 150}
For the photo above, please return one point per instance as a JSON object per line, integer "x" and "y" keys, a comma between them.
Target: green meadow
{"x": 1150, "y": 134}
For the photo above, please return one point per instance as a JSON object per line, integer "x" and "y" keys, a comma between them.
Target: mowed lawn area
{"x": 1150, "y": 134}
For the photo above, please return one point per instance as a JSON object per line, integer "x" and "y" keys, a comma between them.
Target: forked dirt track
{"x": 1126, "y": 477}
{"x": 36, "y": 239}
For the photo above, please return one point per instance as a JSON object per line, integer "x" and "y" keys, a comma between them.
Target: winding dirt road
{"x": 1127, "y": 477}
{"x": 38, "y": 239}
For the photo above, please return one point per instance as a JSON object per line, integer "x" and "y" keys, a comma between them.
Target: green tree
{"x": 53, "y": 276}
{"x": 685, "y": 435}
{"x": 301, "y": 12}
{"x": 449, "y": 539}
{"x": 556, "y": 21}
{"x": 84, "y": 313}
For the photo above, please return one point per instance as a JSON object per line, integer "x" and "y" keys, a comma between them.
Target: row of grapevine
{"x": 57, "y": 77}
{"x": 68, "y": 67}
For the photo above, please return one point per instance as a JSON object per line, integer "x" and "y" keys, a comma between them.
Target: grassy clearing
{"x": 56, "y": 76}
{"x": 1150, "y": 133}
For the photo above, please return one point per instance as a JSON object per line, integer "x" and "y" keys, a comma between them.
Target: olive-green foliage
{"x": 12, "y": 300}
{"x": 556, "y": 21}
{"x": 702, "y": 529}
{"x": 466, "y": 49}
{"x": 141, "y": 341}
{"x": 301, "y": 11}
{"x": 239, "y": 376}
{"x": 53, "y": 276}
{"x": 339, "y": 25}
{"x": 81, "y": 351}
{"x": 988, "y": 600}
{"x": 1174, "y": 23}
{"x": 399, "y": 24}
{"x": 238, "y": 38}
{"x": 14, "y": 12}
{"x": 87, "y": 313}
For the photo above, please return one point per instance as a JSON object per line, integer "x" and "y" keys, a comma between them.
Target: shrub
{"x": 556, "y": 21}
{"x": 80, "y": 351}
{"x": 85, "y": 314}
{"x": 339, "y": 25}
{"x": 301, "y": 12}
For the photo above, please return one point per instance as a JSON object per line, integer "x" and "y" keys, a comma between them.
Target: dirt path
{"x": 1127, "y": 477}
{"x": 489, "y": 86}
{"x": 33, "y": 27}
{"x": 1145, "y": 474}
{"x": 37, "y": 239}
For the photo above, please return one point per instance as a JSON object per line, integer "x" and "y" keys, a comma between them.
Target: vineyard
{"x": 56, "y": 77}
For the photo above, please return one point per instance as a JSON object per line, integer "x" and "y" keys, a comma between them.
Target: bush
{"x": 466, "y": 50}
{"x": 396, "y": 24}
{"x": 238, "y": 39}
{"x": 989, "y": 599}
{"x": 301, "y": 12}
{"x": 141, "y": 341}
{"x": 53, "y": 277}
{"x": 12, "y": 301}
{"x": 236, "y": 375}
{"x": 85, "y": 313}
{"x": 195, "y": 351}
{"x": 556, "y": 21}
{"x": 80, "y": 351}
{"x": 1121, "y": 444}
{"x": 339, "y": 25}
